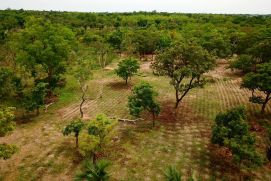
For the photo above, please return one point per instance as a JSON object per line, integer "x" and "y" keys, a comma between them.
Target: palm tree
{"x": 172, "y": 174}
{"x": 94, "y": 172}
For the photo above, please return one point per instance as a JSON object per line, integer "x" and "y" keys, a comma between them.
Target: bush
{"x": 6, "y": 151}
{"x": 232, "y": 131}
{"x": 172, "y": 174}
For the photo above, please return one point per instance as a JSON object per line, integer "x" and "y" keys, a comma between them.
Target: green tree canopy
{"x": 127, "y": 68}
{"x": 101, "y": 127}
{"x": 231, "y": 130}
{"x": 143, "y": 98}
{"x": 259, "y": 81}
{"x": 36, "y": 98}
{"x": 75, "y": 127}
{"x": 184, "y": 63}
{"x": 46, "y": 44}
{"x": 244, "y": 62}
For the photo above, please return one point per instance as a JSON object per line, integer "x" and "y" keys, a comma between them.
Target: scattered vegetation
{"x": 44, "y": 55}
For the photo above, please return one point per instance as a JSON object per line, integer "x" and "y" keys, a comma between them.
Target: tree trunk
{"x": 50, "y": 75}
{"x": 153, "y": 119}
{"x": 126, "y": 81}
{"x": 94, "y": 158}
{"x": 177, "y": 98}
{"x": 267, "y": 98}
{"x": 37, "y": 111}
{"x": 81, "y": 105}
{"x": 76, "y": 140}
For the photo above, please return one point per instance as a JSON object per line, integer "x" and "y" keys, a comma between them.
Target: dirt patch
{"x": 168, "y": 112}
{"x": 119, "y": 85}
{"x": 146, "y": 66}
{"x": 222, "y": 72}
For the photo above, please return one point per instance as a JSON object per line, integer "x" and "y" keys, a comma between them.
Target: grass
{"x": 142, "y": 152}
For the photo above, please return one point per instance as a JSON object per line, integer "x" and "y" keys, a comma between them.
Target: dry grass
{"x": 142, "y": 152}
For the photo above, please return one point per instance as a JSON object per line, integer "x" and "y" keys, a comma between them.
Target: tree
{"x": 268, "y": 149}
{"x": 103, "y": 51}
{"x": 94, "y": 172}
{"x": 47, "y": 44}
{"x": 6, "y": 126}
{"x": 261, "y": 81}
{"x": 232, "y": 131}
{"x": 115, "y": 39}
{"x": 245, "y": 63}
{"x": 102, "y": 128}
{"x": 127, "y": 68}
{"x": 172, "y": 174}
{"x": 213, "y": 41}
{"x": 36, "y": 98}
{"x": 6, "y": 79}
{"x": 83, "y": 73}
{"x": 75, "y": 127}
{"x": 143, "y": 98}
{"x": 145, "y": 41}
{"x": 184, "y": 63}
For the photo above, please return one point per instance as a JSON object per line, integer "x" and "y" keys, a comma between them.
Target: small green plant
{"x": 6, "y": 120}
{"x": 99, "y": 133}
{"x": 6, "y": 151}
{"x": 172, "y": 174}
{"x": 94, "y": 172}
{"x": 6, "y": 126}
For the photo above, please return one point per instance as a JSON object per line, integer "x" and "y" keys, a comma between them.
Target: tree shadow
{"x": 119, "y": 85}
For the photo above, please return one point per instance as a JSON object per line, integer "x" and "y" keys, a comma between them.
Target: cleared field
{"x": 141, "y": 152}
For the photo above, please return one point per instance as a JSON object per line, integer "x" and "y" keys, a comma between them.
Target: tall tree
{"x": 143, "y": 98}
{"x": 46, "y": 44}
{"x": 184, "y": 63}
{"x": 259, "y": 81}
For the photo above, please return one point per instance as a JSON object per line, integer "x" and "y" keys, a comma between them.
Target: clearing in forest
{"x": 181, "y": 138}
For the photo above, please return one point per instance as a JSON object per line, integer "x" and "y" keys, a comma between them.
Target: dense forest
{"x": 51, "y": 61}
